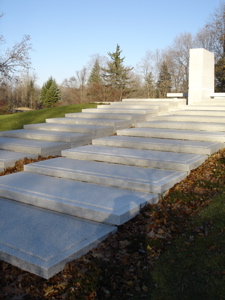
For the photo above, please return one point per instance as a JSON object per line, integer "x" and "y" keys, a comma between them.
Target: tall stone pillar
{"x": 201, "y": 75}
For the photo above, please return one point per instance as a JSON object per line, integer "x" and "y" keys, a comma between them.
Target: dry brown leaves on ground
{"x": 119, "y": 267}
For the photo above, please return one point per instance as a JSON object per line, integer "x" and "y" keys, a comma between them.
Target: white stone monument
{"x": 201, "y": 76}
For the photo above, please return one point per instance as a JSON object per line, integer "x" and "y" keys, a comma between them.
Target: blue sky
{"x": 66, "y": 33}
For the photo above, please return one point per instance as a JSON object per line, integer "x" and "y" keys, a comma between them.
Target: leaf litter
{"x": 120, "y": 267}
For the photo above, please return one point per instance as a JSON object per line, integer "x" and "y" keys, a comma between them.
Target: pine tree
{"x": 50, "y": 93}
{"x": 95, "y": 76}
{"x": 164, "y": 82}
{"x": 116, "y": 75}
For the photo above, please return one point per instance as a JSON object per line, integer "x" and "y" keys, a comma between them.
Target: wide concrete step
{"x": 92, "y": 121}
{"x": 155, "y": 144}
{"x": 172, "y": 102}
{"x": 108, "y": 174}
{"x": 140, "y": 105}
{"x": 9, "y": 158}
{"x": 42, "y": 241}
{"x": 67, "y": 137}
{"x": 90, "y": 129}
{"x": 206, "y": 107}
{"x": 192, "y": 112}
{"x": 84, "y": 200}
{"x": 191, "y": 135}
{"x": 191, "y": 118}
{"x": 183, "y": 125}
{"x": 137, "y": 157}
{"x": 43, "y": 148}
{"x": 96, "y": 115}
{"x": 111, "y": 110}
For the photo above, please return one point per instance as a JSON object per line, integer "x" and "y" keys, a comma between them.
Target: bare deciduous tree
{"x": 14, "y": 59}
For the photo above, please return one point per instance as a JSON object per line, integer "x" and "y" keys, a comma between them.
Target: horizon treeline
{"x": 107, "y": 78}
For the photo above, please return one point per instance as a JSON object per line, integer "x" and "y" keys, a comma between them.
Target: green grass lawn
{"x": 17, "y": 120}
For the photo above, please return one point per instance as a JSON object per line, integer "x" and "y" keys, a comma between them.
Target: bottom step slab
{"x": 89, "y": 201}
{"x": 126, "y": 177}
{"x": 42, "y": 241}
{"x": 9, "y": 158}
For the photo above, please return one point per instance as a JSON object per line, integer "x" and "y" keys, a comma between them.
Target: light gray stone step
{"x": 183, "y": 125}
{"x": 122, "y": 176}
{"x": 42, "y": 241}
{"x": 84, "y": 200}
{"x": 193, "y": 135}
{"x": 172, "y": 102}
{"x": 112, "y": 110}
{"x": 89, "y": 129}
{"x": 191, "y": 112}
{"x": 206, "y": 107}
{"x": 95, "y": 115}
{"x": 85, "y": 121}
{"x": 43, "y": 148}
{"x": 8, "y": 158}
{"x": 67, "y": 137}
{"x": 190, "y": 118}
{"x": 171, "y": 145}
{"x": 140, "y": 105}
{"x": 137, "y": 157}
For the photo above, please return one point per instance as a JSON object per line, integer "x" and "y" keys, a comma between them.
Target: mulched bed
{"x": 119, "y": 267}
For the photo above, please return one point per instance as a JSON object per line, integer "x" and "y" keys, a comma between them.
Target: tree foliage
{"x": 164, "y": 81}
{"x": 116, "y": 75}
{"x": 50, "y": 93}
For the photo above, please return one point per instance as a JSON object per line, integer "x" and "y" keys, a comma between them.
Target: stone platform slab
{"x": 122, "y": 110}
{"x": 88, "y": 201}
{"x": 191, "y": 118}
{"x": 91, "y": 121}
{"x": 155, "y": 144}
{"x": 126, "y": 177}
{"x": 53, "y": 136}
{"x": 192, "y": 135}
{"x": 140, "y": 105}
{"x": 192, "y": 112}
{"x": 89, "y": 129}
{"x": 42, "y": 241}
{"x": 183, "y": 125}
{"x": 44, "y": 148}
{"x": 136, "y": 157}
{"x": 9, "y": 158}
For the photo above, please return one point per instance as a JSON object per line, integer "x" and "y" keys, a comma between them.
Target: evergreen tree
{"x": 164, "y": 82}
{"x": 95, "y": 76}
{"x": 117, "y": 76}
{"x": 50, "y": 93}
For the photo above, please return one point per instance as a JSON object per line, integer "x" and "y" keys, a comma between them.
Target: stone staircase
{"x": 58, "y": 209}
